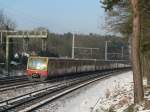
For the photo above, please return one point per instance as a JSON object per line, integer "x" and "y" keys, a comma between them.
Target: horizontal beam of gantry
{"x": 26, "y": 34}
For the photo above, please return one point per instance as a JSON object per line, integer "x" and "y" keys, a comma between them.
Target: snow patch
{"x": 97, "y": 97}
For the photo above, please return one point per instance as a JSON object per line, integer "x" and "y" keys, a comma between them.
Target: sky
{"x": 59, "y": 16}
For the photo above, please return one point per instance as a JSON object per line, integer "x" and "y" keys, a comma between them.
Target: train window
{"x": 61, "y": 64}
{"x": 51, "y": 64}
{"x": 71, "y": 63}
{"x": 37, "y": 63}
{"x": 57, "y": 64}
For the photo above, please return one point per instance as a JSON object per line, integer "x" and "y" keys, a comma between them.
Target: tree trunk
{"x": 137, "y": 75}
{"x": 147, "y": 65}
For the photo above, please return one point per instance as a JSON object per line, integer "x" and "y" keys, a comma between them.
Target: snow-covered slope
{"x": 115, "y": 92}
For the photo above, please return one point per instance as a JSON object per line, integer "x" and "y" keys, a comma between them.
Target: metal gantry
{"x": 73, "y": 43}
{"x": 25, "y": 35}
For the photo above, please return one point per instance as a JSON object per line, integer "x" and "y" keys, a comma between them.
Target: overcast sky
{"x": 81, "y": 16}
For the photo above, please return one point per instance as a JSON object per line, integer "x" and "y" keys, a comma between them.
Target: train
{"x": 42, "y": 68}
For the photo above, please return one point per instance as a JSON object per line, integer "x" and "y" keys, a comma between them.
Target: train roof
{"x": 77, "y": 59}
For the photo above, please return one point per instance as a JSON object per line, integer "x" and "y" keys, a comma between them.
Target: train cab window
{"x": 37, "y": 63}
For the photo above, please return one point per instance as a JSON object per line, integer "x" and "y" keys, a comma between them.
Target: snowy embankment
{"x": 118, "y": 94}
{"x": 114, "y": 93}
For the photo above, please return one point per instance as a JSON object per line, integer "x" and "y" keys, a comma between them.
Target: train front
{"x": 37, "y": 68}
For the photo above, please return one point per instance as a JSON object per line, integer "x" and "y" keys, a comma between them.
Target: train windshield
{"x": 37, "y": 63}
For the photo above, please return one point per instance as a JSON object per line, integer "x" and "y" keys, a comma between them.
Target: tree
{"x": 119, "y": 19}
{"x": 137, "y": 75}
{"x": 145, "y": 39}
{"x": 5, "y": 22}
{"x": 136, "y": 34}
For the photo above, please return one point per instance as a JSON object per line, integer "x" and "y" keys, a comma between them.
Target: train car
{"x": 44, "y": 67}
{"x": 41, "y": 68}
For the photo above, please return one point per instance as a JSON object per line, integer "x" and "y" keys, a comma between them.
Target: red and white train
{"x": 43, "y": 67}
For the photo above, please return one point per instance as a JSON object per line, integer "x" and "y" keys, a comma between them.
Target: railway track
{"x": 36, "y": 99}
{"x": 20, "y": 82}
{"x": 17, "y": 85}
{"x": 13, "y": 79}
{"x": 24, "y": 83}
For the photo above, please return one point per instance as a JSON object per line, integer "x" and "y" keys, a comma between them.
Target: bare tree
{"x": 5, "y": 22}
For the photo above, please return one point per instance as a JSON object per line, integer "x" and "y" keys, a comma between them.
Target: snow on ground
{"x": 115, "y": 92}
